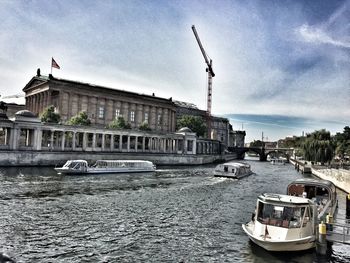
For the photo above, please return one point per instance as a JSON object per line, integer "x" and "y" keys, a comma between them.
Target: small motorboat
{"x": 283, "y": 223}
{"x": 234, "y": 170}
{"x": 106, "y": 166}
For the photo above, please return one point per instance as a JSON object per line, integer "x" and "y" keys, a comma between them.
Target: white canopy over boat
{"x": 106, "y": 166}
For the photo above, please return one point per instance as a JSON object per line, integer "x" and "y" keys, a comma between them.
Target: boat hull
{"x": 285, "y": 245}
{"x": 231, "y": 175}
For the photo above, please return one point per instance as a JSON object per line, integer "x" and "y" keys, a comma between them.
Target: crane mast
{"x": 211, "y": 74}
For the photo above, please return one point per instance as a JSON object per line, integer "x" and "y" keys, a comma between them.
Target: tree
{"x": 318, "y": 147}
{"x": 49, "y": 115}
{"x": 80, "y": 119}
{"x": 342, "y": 142}
{"x": 119, "y": 123}
{"x": 195, "y": 123}
{"x": 256, "y": 143}
{"x": 144, "y": 126}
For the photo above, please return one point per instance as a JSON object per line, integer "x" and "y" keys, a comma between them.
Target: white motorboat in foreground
{"x": 233, "y": 170}
{"x": 106, "y": 166}
{"x": 283, "y": 223}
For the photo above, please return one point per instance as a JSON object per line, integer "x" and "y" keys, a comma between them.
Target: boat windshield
{"x": 283, "y": 216}
{"x": 74, "y": 164}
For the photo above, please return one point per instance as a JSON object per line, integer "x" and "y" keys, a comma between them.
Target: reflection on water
{"x": 171, "y": 215}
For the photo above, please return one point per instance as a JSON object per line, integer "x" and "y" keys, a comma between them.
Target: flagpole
{"x": 51, "y": 66}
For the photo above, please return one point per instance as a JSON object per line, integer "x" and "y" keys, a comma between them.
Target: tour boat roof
{"x": 314, "y": 182}
{"x": 236, "y": 164}
{"x": 124, "y": 161}
{"x": 284, "y": 199}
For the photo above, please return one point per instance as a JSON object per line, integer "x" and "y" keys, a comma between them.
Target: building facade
{"x": 102, "y": 104}
{"x": 220, "y": 127}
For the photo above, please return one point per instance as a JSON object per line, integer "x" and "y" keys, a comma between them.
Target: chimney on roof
{"x": 38, "y": 72}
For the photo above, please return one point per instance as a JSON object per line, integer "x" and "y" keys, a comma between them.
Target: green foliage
{"x": 318, "y": 147}
{"x": 144, "y": 127}
{"x": 255, "y": 143}
{"x": 342, "y": 142}
{"x": 195, "y": 123}
{"x": 49, "y": 115}
{"x": 80, "y": 119}
{"x": 119, "y": 123}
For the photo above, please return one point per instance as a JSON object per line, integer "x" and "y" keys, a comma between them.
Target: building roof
{"x": 14, "y": 99}
{"x": 46, "y": 79}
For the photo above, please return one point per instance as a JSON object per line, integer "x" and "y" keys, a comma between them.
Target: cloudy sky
{"x": 285, "y": 57}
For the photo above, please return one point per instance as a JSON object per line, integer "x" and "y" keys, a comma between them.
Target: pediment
{"x": 34, "y": 82}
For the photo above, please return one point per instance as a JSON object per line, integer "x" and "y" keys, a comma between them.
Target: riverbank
{"x": 339, "y": 177}
{"x": 55, "y": 158}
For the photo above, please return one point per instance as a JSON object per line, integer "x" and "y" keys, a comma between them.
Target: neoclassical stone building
{"x": 102, "y": 104}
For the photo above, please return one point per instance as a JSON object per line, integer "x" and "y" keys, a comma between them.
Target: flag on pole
{"x": 54, "y": 64}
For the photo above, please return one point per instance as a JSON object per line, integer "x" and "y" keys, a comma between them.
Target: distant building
{"x": 102, "y": 104}
{"x": 13, "y": 104}
{"x": 220, "y": 127}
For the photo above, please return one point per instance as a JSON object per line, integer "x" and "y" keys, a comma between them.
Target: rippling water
{"x": 177, "y": 214}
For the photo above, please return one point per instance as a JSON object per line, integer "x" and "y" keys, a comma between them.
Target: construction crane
{"x": 211, "y": 74}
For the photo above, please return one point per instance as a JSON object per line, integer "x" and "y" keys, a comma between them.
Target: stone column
{"x": 125, "y": 111}
{"x": 143, "y": 143}
{"x": 159, "y": 124}
{"x": 63, "y": 141}
{"x": 139, "y": 115}
{"x": 128, "y": 144}
{"x": 165, "y": 120}
{"x": 120, "y": 142}
{"x": 103, "y": 142}
{"x": 37, "y": 139}
{"x": 51, "y": 139}
{"x": 84, "y": 141}
{"x": 74, "y": 141}
{"x": 112, "y": 142}
{"x": 153, "y": 118}
{"x": 94, "y": 141}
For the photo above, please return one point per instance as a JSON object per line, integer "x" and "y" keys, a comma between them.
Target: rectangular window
{"x": 132, "y": 116}
{"x": 117, "y": 113}
{"x": 101, "y": 112}
{"x": 146, "y": 117}
{"x": 159, "y": 121}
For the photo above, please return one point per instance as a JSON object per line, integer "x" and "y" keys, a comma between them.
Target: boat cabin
{"x": 284, "y": 211}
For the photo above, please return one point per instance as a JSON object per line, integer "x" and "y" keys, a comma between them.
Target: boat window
{"x": 282, "y": 216}
{"x": 225, "y": 168}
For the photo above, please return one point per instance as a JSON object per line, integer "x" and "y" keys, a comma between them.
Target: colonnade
{"x": 40, "y": 137}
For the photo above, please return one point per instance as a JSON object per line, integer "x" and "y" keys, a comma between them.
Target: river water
{"x": 177, "y": 214}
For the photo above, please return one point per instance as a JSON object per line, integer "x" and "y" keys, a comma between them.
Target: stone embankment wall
{"x": 340, "y": 177}
{"x": 51, "y": 158}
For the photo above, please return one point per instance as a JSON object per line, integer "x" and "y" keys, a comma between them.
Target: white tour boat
{"x": 106, "y": 166}
{"x": 233, "y": 170}
{"x": 283, "y": 223}
{"x": 322, "y": 192}
{"x": 278, "y": 161}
